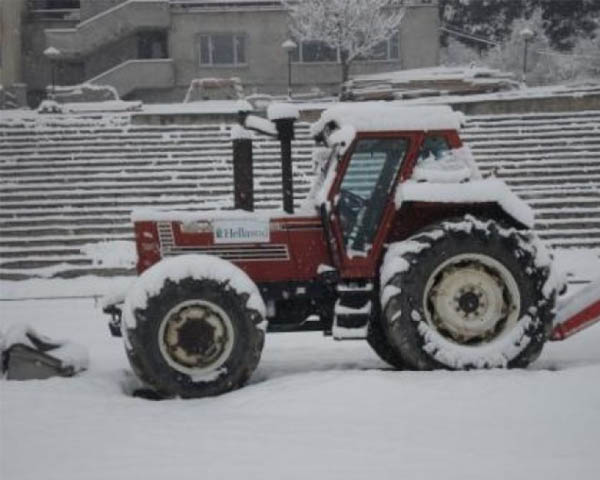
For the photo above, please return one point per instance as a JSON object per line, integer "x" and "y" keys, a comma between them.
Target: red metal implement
{"x": 579, "y": 312}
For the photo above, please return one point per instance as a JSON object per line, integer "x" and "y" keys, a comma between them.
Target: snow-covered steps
{"x": 68, "y": 183}
{"x": 552, "y": 160}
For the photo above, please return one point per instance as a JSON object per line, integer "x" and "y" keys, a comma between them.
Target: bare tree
{"x": 351, "y": 27}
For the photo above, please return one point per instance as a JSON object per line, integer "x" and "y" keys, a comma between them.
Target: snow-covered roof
{"x": 203, "y": 106}
{"x": 382, "y": 116}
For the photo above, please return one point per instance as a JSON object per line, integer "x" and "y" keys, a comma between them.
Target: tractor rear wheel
{"x": 468, "y": 294}
{"x": 381, "y": 346}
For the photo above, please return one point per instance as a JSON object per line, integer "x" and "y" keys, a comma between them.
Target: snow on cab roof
{"x": 382, "y": 116}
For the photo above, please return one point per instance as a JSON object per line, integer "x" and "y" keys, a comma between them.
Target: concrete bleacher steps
{"x": 553, "y": 162}
{"x": 68, "y": 184}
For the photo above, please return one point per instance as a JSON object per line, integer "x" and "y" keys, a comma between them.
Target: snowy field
{"x": 315, "y": 409}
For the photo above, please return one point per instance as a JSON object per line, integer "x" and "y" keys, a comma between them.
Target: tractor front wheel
{"x": 195, "y": 337}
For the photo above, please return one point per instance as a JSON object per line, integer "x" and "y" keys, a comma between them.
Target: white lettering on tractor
{"x": 241, "y": 231}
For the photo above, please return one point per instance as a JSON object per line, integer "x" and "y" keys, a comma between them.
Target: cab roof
{"x": 386, "y": 116}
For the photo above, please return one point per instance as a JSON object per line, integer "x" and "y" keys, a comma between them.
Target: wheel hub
{"x": 469, "y": 302}
{"x": 471, "y": 299}
{"x": 194, "y": 336}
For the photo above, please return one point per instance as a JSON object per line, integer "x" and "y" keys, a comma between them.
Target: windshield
{"x": 364, "y": 191}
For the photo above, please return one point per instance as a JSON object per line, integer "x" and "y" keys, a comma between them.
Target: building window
{"x": 222, "y": 49}
{"x": 316, "y": 51}
{"x": 152, "y": 45}
{"x": 387, "y": 50}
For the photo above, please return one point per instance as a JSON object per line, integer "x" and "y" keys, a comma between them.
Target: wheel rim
{"x": 196, "y": 337}
{"x": 472, "y": 299}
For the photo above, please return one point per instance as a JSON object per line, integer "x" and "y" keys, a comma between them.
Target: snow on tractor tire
{"x": 194, "y": 327}
{"x": 468, "y": 293}
{"x": 401, "y": 242}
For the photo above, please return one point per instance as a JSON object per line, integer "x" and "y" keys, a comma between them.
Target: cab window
{"x": 365, "y": 189}
{"x": 435, "y": 147}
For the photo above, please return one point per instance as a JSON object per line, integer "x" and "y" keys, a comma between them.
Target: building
{"x": 152, "y": 49}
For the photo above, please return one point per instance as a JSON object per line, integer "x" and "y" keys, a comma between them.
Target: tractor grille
{"x": 246, "y": 253}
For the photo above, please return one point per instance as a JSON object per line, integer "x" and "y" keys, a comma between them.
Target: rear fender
{"x": 490, "y": 195}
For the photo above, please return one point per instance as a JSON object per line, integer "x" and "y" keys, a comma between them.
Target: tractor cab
{"x": 369, "y": 151}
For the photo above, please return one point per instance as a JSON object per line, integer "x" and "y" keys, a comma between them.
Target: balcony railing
{"x": 138, "y": 75}
{"x": 109, "y": 26}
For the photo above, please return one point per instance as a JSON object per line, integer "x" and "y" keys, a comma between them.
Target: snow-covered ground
{"x": 315, "y": 409}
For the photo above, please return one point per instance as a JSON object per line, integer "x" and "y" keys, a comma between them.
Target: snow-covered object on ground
{"x": 199, "y": 267}
{"x": 277, "y": 111}
{"x": 201, "y": 89}
{"x": 478, "y": 191}
{"x": 71, "y": 354}
{"x": 387, "y": 116}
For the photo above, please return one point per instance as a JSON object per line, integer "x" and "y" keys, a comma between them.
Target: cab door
{"x": 362, "y": 199}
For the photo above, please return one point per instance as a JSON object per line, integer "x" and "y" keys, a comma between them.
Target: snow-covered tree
{"x": 563, "y": 20}
{"x": 457, "y": 53}
{"x": 542, "y": 65}
{"x": 586, "y": 56}
{"x": 545, "y": 65}
{"x": 351, "y": 27}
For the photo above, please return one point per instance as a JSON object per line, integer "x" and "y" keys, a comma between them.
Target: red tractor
{"x": 400, "y": 242}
